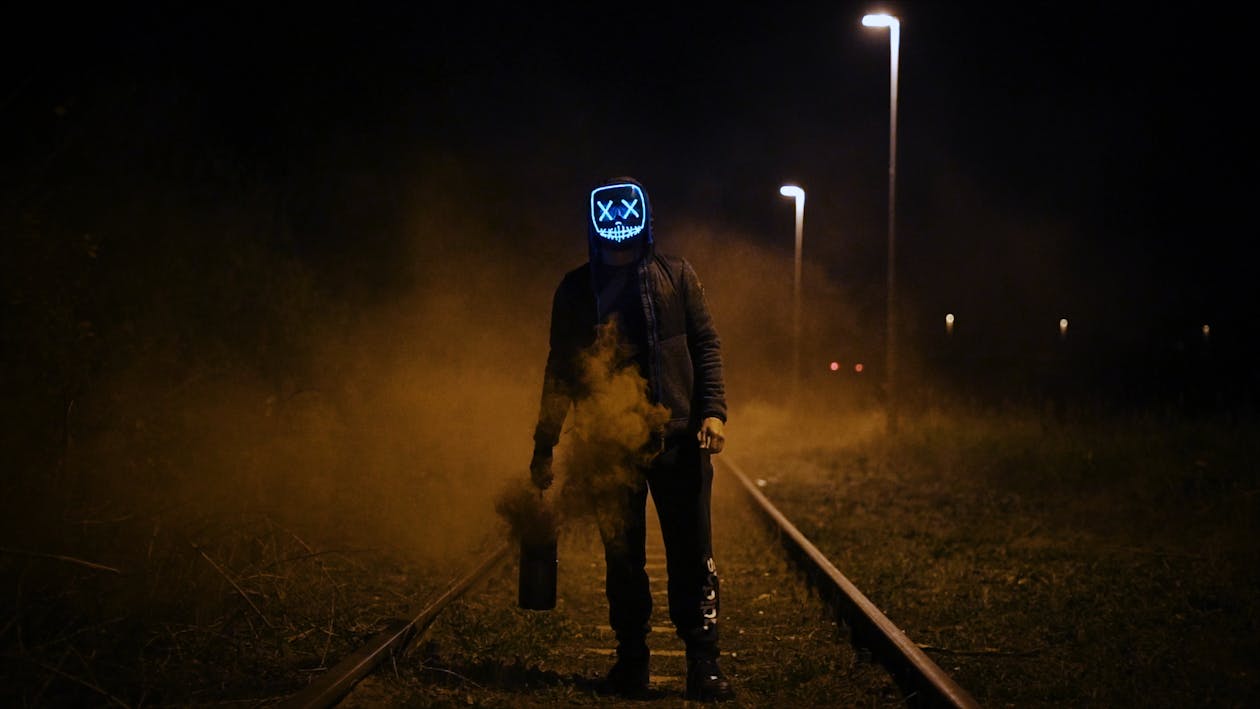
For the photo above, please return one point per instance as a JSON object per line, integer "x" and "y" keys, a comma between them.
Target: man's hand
{"x": 540, "y": 471}
{"x": 711, "y": 435}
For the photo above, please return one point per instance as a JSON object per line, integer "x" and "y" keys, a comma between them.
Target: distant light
{"x": 1063, "y": 326}
{"x": 835, "y": 366}
{"x": 858, "y": 367}
{"x": 1206, "y": 330}
{"x": 792, "y": 191}
{"x": 949, "y": 318}
{"x": 880, "y": 21}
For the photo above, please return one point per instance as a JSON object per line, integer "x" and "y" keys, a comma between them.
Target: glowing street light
{"x": 1063, "y": 323}
{"x": 949, "y": 323}
{"x": 799, "y": 195}
{"x": 894, "y": 44}
{"x": 880, "y": 20}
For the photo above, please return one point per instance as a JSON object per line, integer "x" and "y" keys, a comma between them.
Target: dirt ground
{"x": 780, "y": 646}
{"x": 1101, "y": 563}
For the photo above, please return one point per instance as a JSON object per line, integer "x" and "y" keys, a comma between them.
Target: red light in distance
{"x": 835, "y": 366}
{"x": 858, "y": 367}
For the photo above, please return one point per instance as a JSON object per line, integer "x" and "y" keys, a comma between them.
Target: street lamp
{"x": 894, "y": 43}
{"x": 799, "y": 195}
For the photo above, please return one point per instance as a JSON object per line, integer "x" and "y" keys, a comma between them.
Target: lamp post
{"x": 890, "y": 350}
{"x": 799, "y": 195}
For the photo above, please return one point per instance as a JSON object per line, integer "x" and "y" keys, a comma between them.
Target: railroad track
{"x": 923, "y": 681}
{"x": 920, "y": 680}
{"x": 340, "y": 679}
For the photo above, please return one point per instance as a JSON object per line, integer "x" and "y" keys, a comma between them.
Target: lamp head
{"x": 880, "y": 20}
{"x": 792, "y": 191}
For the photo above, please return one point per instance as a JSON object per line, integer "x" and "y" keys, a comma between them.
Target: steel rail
{"x": 923, "y": 681}
{"x": 332, "y": 686}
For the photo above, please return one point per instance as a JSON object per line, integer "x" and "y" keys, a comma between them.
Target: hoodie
{"x": 680, "y": 345}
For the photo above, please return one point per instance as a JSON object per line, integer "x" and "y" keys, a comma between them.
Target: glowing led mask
{"x": 618, "y": 212}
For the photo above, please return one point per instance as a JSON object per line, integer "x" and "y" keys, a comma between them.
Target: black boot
{"x": 627, "y": 678}
{"x": 705, "y": 681}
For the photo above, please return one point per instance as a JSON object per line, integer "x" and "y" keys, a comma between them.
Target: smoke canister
{"x": 537, "y": 581}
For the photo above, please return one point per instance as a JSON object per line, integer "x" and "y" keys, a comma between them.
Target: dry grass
{"x": 1111, "y": 563}
{"x": 200, "y": 611}
{"x": 1107, "y": 563}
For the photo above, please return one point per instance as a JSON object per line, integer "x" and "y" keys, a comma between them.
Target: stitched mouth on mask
{"x": 620, "y": 232}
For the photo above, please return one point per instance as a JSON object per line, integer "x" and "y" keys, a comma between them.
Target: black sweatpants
{"x": 680, "y": 479}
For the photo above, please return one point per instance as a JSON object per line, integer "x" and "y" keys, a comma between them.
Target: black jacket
{"x": 684, "y": 353}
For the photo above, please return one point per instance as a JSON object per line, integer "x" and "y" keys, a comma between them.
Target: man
{"x": 666, "y": 331}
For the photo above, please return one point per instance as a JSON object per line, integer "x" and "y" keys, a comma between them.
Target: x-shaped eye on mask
{"x": 627, "y": 209}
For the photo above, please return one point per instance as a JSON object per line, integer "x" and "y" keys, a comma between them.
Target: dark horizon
{"x": 1049, "y": 165}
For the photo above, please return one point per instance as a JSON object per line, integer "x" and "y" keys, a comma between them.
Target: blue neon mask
{"x": 618, "y": 212}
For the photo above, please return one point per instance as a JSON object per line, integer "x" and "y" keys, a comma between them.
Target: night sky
{"x": 1053, "y": 160}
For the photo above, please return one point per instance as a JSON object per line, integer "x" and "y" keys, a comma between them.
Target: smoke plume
{"x": 604, "y": 449}
{"x": 531, "y": 518}
{"x": 612, "y": 429}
